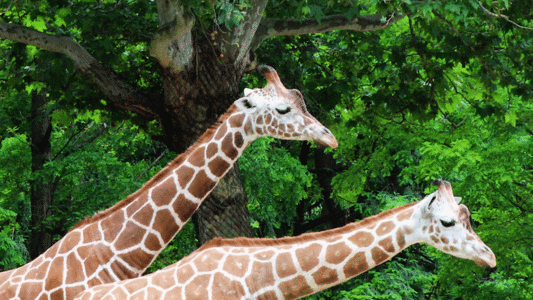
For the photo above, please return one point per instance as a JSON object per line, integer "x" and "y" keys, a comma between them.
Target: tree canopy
{"x": 413, "y": 91}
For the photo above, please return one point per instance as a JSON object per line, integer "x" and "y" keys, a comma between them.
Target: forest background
{"x": 413, "y": 91}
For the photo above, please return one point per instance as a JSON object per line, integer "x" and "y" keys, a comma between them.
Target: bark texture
{"x": 41, "y": 191}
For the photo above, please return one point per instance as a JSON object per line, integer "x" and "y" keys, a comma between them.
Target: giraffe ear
{"x": 458, "y": 199}
{"x": 431, "y": 201}
{"x": 247, "y": 91}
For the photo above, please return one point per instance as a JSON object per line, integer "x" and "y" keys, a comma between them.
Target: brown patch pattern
{"x": 137, "y": 258}
{"x": 134, "y": 206}
{"x": 295, "y": 288}
{"x": 212, "y": 149}
{"x": 164, "y": 280}
{"x": 336, "y": 253}
{"x": 262, "y": 276}
{"x": 284, "y": 265}
{"x": 385, "y": 228}
{"x": 239, "y": 140}
{"x": 208, "y": 261}
{"x": 171, "y": 294}
{"x": 378, "y": 255}
{"x": 236, "y": 265}
{"x": 362, "y": 239}
{"x": 356, "y": 265}
{"x": 55, "y": 274}
{"x": 184, "y": 175}
{"x": 227, "y": 147}
{"x": 144, "y": 215}
{"x": 225, "y": 288}
{"x": 74, "y": 270}
{"x": 221, "y": 131}
{"x": 198, "y": 287}
{"x": 236, "y": 120}
{"x": 121, "y": 271}
{"x": 308, "y": 256}
{"x": 168, "y": 227}
{"x": 69, "y": 242}
{"x": 184, "y": 207}
{"x": 103, "y": 253}
{"x": 325, "y": 275}
{"x": 386, "y": 244}
{"x": 218, "y": 166}
{"x": 197, "y": 158}
{"x": 152, "y": 242}
{"x": 264, "y": 255}
{"x": 184, "y": 273}
{"x": 91, "y": 233}
{"x": 201, "y": 185}
{"x": 131, "y": 236}
{"x": 400, "y": 239}
{"x": 404, "y": 215}
{"x": 165, "y": 192}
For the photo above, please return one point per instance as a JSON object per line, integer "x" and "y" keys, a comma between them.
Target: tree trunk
{"x": 325, "y": 164}
{"x": 193, "y": 101}
{"x": 224, "y": 212}
{"x": 41, "y": 188}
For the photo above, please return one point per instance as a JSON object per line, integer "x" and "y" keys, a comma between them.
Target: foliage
{"x": 275, "y": 183}
{"x": 11, "y": 251}
{"x": 397, "y": 279}
{"x": 443, "y": 93}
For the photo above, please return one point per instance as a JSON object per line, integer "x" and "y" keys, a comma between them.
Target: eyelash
{"x": 447, "y": 224}
{"x": 284, "y": 111}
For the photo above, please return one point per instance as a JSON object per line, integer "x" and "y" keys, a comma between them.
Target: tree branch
{"x": 499, "y": 15}
{"x": 276, "y": 27}
{"x": 238, "y": 42}
{"x": 172, "y": 43}
{"x": 151, "y": 165}
{"x": 485, "y": 66}
{"x": 161, "y": 47}
{"x": 119, "y": 94}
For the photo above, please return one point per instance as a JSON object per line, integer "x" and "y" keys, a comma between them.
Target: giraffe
{"x": 293, "y": 267}
{"x": 123, "y": 240}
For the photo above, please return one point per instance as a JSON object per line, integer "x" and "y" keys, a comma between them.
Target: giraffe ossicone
{"x": 293, "y": 267}
{"x": 122, "y": 241}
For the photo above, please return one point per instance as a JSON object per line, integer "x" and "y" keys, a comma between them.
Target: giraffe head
{"x": 281, "y": 113}
{"x": 445, "y": 225}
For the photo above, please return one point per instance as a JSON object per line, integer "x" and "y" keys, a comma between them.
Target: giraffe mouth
{"x": 333, "y": 144}
{"x": 487, "y": 260}
{"x": 326, "y": 139}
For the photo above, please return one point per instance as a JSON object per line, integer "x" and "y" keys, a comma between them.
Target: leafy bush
{"x": 11, "y": 252}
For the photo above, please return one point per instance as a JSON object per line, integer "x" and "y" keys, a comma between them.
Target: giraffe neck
{"x": 336, "y": 256}
{"x": 290, "y": 268}
{"x": 131, "y": 234}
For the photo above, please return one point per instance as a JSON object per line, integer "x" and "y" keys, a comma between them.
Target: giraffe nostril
{"x": 326, "y": 131}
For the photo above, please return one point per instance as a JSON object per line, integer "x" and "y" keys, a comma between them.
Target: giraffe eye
{"x": 447, "y": 224}
{"x": 283, "y": 111}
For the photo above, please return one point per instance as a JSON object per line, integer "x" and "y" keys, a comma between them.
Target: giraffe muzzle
{"x": 324, "y": 137}
{"x": 486, "y": 257}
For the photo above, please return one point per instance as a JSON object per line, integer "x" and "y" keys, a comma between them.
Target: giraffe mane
{"x": 160, "y": 175}
{"x": 257, "y": 242}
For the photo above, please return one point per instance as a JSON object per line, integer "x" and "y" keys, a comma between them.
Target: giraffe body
{"x": 293, "y": 267}
{"x": 122, "y": 241}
